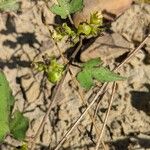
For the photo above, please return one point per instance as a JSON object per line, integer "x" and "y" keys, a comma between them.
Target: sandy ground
{"x": 23, "y": 38}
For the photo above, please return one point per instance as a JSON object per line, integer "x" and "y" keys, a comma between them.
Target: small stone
{"x": 105, "y": 48}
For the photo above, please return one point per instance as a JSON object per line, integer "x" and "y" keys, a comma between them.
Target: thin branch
{"x": 85, "y": 103}
{"x": 105, "y": 85}
{"x": 70, "y": 19}
{"x": 132, "y": 53}
{"x": 54, "y": 95}
{"x": 79, "y": 119}
{"x": 106, "y": 117}
{"x": 122, "y": 63}
{"x": 96, "y": 110}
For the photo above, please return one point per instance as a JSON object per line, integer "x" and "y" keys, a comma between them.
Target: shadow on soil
{"x": 133, "y": 142}
{"x": 14, "y": 63}
{"x": 21, "y": 39}
{"x": 141, "y": 100}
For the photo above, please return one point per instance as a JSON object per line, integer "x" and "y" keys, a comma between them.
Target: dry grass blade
{"x": 106, "y": 117}
{"x": 132, "y": 53}
{"x": 105, "y": 85}
{"x": 121, "y": 64}
{"x": 85, "y": 103}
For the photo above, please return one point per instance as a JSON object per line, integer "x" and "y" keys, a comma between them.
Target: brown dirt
{"x": 24, "y": 38}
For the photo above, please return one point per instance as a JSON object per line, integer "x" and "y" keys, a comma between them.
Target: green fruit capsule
{"x": 96, "y": 19}
{"x": 84, "y": 29}
{"x": 55, "y": 71}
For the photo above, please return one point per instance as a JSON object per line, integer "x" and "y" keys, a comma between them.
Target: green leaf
{"x": 76, "y": 5}
{"x": 66, "y": 7}
{"x": 103, "y": 74}
{"x": 93, "y": 27}
{"x": 9, "y": 5}
{"x": 6, "y": 103}
{"x": 93, "y": 62}
{"x": 19, "y": 125}
{"x": 59, "y": 11}
{"x": 92, "y": 70}
{"x": 85, "y": 79}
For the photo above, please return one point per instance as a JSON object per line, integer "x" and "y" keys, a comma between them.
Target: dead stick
{"x": 106, "y": 117}
{"x": 79, "y": 119}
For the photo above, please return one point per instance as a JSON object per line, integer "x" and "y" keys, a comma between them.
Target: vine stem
{"x": 104, "y": 86}
{"x": 78, "y": 91}
{"x": 123, "y": 62}
{"x": 57, "y": 87}
{"x": 70, "y": 19}
{"x": 106, "y": 117}
{"x": 132, "y": 53}
{"x": 54, "y": 96}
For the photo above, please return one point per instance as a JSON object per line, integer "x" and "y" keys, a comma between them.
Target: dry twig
{"x": 53, "y": 97}
{"x": 106, "y": 117}
{"x": 105, "y": 85}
